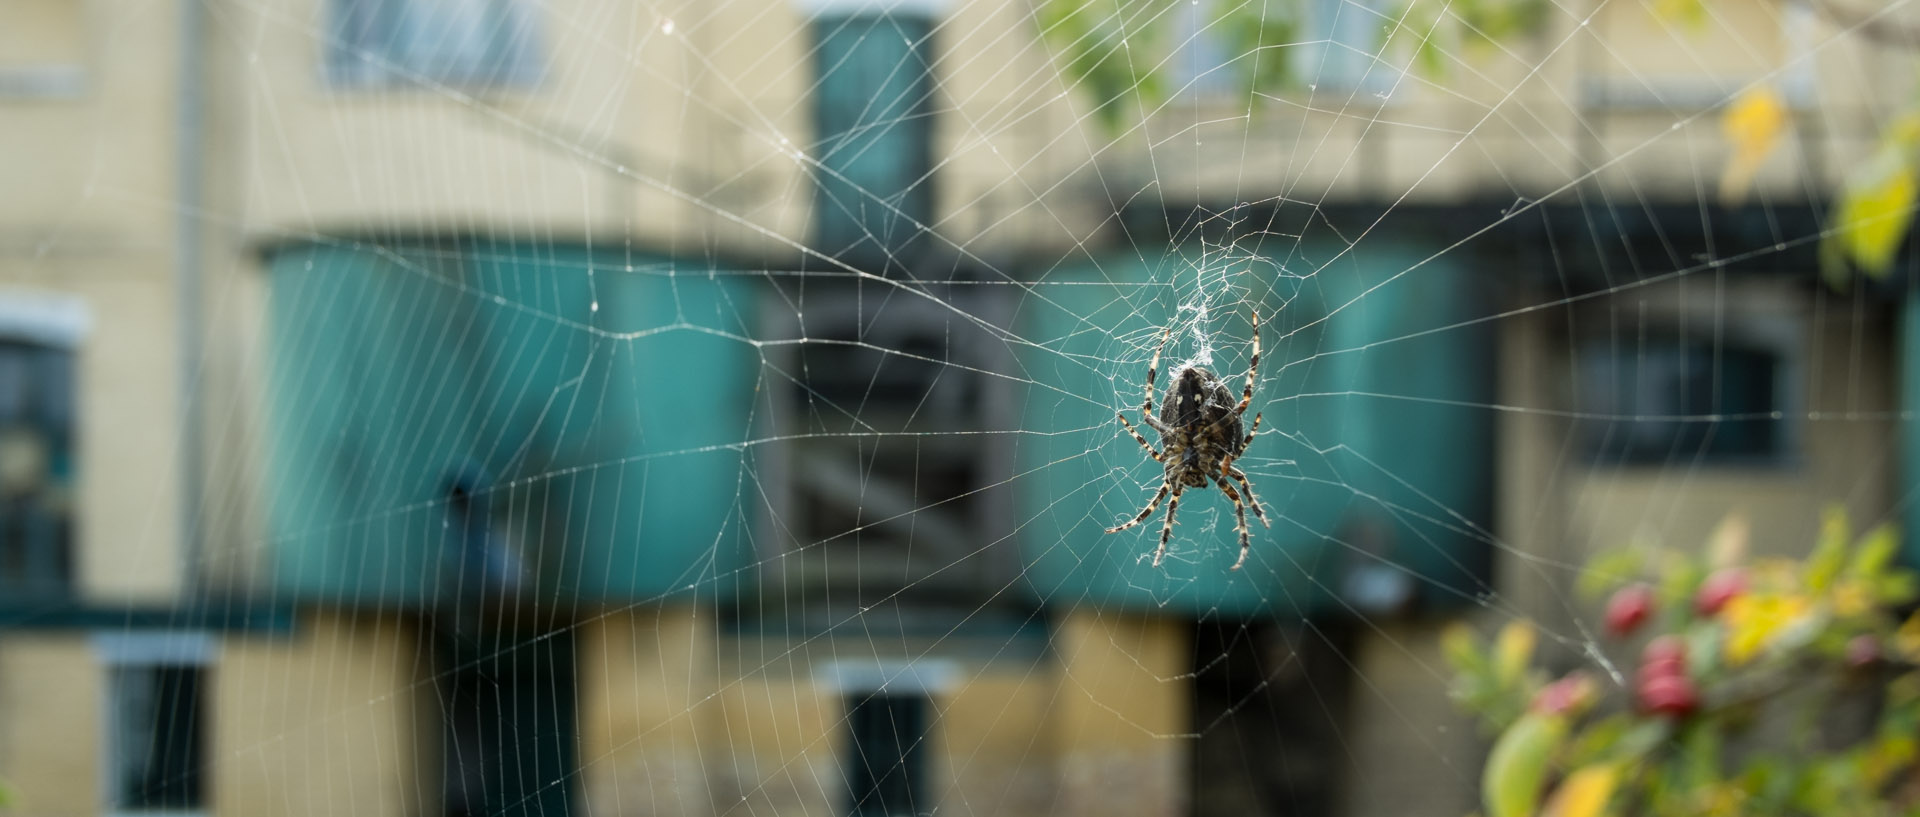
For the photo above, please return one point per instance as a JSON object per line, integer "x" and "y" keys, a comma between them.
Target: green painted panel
{"x": 456, "y": 416}
{"x": 1374, "y": 458}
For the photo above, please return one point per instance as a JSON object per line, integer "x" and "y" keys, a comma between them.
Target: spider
{"x": 1200, "y": 426}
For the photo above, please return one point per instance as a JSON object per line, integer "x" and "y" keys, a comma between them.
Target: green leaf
{"x": 1462, "y": 649}
{"x": 1830, "y": 554}
{"x": 1262, "y": 34}
{"x": 1644, "y": 737}
{"x": 1876, "y": 207}
{"x": 1517, "y": 767}
{"x": 1610, "y": 570}
{"x": 1600, "y": 741}
{"x": 1700, "y": 754}
{"x": 1874, "y": 552}
{"x": 1109, "y": 48}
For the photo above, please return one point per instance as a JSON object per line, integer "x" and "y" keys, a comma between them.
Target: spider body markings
{"x": 1200, "y": 430}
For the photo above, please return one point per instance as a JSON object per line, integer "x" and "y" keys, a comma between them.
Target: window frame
{"x": 1745, "y": 320}
{"x": 925, "y": 681}
{"x": 133, "y": 651}
{"x": 52, "y": 323}
{"x": 515, "y": 62}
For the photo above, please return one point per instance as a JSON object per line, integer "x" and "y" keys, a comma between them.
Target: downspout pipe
{"x": 188, "y": 256}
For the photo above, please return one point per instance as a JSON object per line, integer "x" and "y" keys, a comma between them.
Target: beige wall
{"x": 1411, "y": 751}
{"x": 1122, "y": 714}
{"x": 329, "y": 722}
{"x": 89, "y": 213}
{"x": 647, "y": 708}
{"x": 675, "y": 137}
{"x": 52, "y": 688}
{"x": 1559, "y": 510}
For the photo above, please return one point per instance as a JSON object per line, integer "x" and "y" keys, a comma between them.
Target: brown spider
{"x": 1200, "y": 426}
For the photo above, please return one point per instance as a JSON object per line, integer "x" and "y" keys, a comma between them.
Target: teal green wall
{"x": 1353, "y": 441}
{"x": 394, "y": 367}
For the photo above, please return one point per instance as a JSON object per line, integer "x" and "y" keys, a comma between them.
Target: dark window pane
{"x": 1681, "y": 400}
{"x": 509, "y": 708}
{"x": 36, "y": 469}
{"x": 160, "y": 738}
{"x": 885, "y": 762}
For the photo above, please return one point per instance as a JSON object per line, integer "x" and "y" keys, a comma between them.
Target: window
{"x": 886, "y": 750}
{"x": 1201, "y": 54}
{"x": 889, "y": 744}
{"x": 37, "y": 335}
{"x": 509, "y": 713}
{"x": 1344, "y": 41}
{"x": 1330, "y": 46}
{"x": 1676, "y": 398}
{"x": 449, "y": 42}
{"x": 872, "y": 111}
{"x": 43, "y": 47}
{"x": 156, "y": 722}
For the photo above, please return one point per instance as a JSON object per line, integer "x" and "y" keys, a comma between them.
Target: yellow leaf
{"x": 1906, "y": 640}
{"x": 1513, "y": 650}
{"x": 1756, "y": 620}
{"x": 1875, "y": 209}
{"x": 1688, "y": 13}
{"x": 1851, "y": 599}
{"x": 1753, "y": 124}
{"x": 1585, "y": 792}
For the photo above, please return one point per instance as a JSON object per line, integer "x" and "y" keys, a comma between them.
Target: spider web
{"x": 594, "y": 473}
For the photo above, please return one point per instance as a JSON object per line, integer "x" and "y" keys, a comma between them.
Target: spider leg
{"x": 1166, "y": 530}
{"x": 1253, "y": 370}
{"x": 1142, "y": 516}
{"x": 1146, "y": 407}
{"x": 1227, "y": 469}
{"x": 1151, "y": 451}
{"x": 1238, "y": 476}
{"x": 1240, "y": 514}
{"x": 1157, "y": 456}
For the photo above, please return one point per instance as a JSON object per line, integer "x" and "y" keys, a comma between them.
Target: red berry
{"x": 1863, "y": 651}
{"x": 1669, "y": 695}
{"x": 1575, "y": 691}
{"x": 1665, "y": 650}
{"x": 1721, "y": 587}
{"x": 1628, "y": 609}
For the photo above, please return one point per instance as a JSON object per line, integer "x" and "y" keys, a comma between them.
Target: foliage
{"x": 1737, "y": 701}
{"x": 1120, "y": 51}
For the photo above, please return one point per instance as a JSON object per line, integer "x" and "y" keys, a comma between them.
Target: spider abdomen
{"x": 1201, "y": 426}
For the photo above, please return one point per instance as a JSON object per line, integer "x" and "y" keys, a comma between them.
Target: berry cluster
{"x": 1662, "y": 685}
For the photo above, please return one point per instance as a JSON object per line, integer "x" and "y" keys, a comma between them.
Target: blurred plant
{"x": 1120, "y": 51}
{"x": 1731, "y": 704}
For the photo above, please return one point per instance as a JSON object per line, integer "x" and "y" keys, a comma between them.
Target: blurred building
{"x": 440, "y": 407}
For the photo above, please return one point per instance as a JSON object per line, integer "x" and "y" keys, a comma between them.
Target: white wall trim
{"x": 927, "y": 677}
{"x": 172, "y": 648}
{"x": 50, "y": 318}
{"x": 848, "y": 8}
